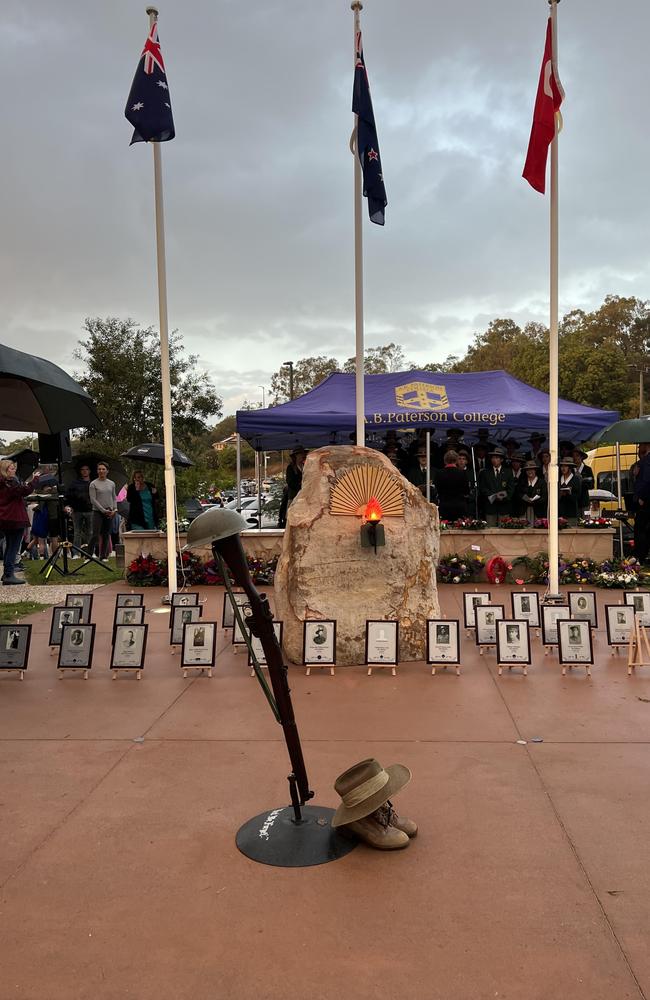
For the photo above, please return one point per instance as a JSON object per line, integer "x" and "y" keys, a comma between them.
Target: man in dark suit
{"x": 496, "y": 487}
{"x": 586, "y": 476}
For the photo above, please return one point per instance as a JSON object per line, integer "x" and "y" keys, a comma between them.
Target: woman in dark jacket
{"x": 142, "y": 498}
{"x": 533, "y": 492}
{"x": 570, "y": 488}
{"x": 13, "y": 516}
{"x": 452, "y": 484}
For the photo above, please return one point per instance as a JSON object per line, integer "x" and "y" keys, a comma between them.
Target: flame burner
{"x": 372, "y": 531}
{"x": 373, "y": 511}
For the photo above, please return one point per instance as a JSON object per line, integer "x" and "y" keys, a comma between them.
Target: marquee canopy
{"x": 408, "y": 401}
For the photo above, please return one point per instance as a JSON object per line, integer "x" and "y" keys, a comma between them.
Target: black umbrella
{"x": 37, "y": 396}
{"x": 156, "y": 453}
{"x": 116, "y": 471}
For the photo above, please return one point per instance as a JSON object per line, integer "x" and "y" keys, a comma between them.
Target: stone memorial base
{"x": 324, "y": 573}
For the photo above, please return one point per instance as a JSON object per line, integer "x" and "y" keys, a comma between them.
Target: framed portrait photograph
{"x": 129, "y": 600}
{"x": 129, "y": 647}
{"x": 513, "y": 642}
{"x": 443, "y": 640}
{"x": 128, "y": 616}
{"x": 185, "y": 600}
{"x": 227, "y": 613}
{"x": 180, "y": 617}
{"x": 60, "y": 617}
{"x": 619, "y": 619}
{"x": 471, "y": 601}
{"x": 199, "y": 644}
{"x": 83, "y": 601}
{"x": 237, "y": 637}
{"x": 582, "y": 605}
{"x": 525, "y": 607}
{"x": 257, "y": 645}
{"x": 640, "y": 601}
{"x": 575, "y": 642}
{"x": 14, "y": 646}
{"x": 487, "y": 616}
{"x": 382, "y": 639}
{"x": 551, "y": 615}
{"x": 319, "y": 643}
{"x": 76, "y": 648}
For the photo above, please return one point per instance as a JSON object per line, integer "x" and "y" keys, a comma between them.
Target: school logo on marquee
{"x": 421, "y": 396}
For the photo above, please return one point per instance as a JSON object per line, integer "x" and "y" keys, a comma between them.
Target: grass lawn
{"x": 92, "y": 573}
{"x": 10, "y": 613}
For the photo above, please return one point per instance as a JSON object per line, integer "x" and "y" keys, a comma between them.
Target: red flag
{"x": 549, "y": 98}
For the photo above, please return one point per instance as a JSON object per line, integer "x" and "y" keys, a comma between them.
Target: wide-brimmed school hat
{"x": 517, "y": 457}
{"x": 531, "y": 464}
{"x": 501, "y": 452}
{"x": 365, "y": 787}
{"x": 298, "y": 450}
{"x": 567, "y": 461}
{"x": 579, "y": 451}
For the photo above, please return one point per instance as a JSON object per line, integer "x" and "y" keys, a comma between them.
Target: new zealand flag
{"x": 149, "y": 108}
{"x": 367, "y": 144}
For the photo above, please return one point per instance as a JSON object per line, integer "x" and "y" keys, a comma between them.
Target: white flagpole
{"x": 170, "y": 478}
{"x": 358, "y": 257}
{"x": 553, "y": 373}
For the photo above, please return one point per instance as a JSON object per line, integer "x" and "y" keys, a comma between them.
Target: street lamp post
{"x": 289, "y": 365}
{"x": 642, "y": 370}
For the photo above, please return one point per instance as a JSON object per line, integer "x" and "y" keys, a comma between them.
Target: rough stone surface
{"x": 324, "y": 572}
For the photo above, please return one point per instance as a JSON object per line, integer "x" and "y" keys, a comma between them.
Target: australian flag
{"x": 367, "y": 145}
{"x": 149, "y": 108}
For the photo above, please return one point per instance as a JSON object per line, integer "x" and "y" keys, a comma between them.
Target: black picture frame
{"x": 237, "y": 637}
{"x": 469, "y": 597}
{"x": 128, "y": 616}
{"x": 583, "y": 606}
{"x": 190, "y": 651}
{"x": 551, "y": 614}
{"x": 192, "y": 614}
{"x": 71, "y": 616}
{"x": 185, "y": 599}
{"x": 513, "y": 649}
{"x": 392, "y": 656}
{"x": 486, "y": 631}
{"x": 227, "y": 613}
{"x": 443, "y": 652}
{"x": 83, "y": 601}
{"x": 15, "y": 641}
{"x": 640, "y": 601}
{"x": 128, "y": 654}
{"x": 129, "y": 600}
{"x": 278, "y": 628}
{"x": 519, "y": 611}
{"x": 325, "y": 653}
{"x": 619, "y": 632}
{"x": 575, "y": 642}
{"x": 76, "y": 646}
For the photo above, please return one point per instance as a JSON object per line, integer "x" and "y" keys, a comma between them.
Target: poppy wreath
{"x": 496, "y": 569}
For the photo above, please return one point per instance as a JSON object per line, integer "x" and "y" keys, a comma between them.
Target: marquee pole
{"x": 356, "y": 6}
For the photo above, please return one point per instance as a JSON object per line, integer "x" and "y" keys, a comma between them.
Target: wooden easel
{"x": 639, "y": 647}
{"x": 524, "y": 666}
{"x": 444, "y": 667}
{"x": 116, "y": 671}
{"x": 319, "y": 666}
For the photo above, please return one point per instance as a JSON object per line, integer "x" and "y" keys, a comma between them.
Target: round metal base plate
{"x": 273, "y": 838}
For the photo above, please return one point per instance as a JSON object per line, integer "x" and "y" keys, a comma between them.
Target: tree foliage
{"x": 121, "y": 372}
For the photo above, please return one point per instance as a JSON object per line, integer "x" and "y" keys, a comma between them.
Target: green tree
{"x": 121, "y": 372}
{"x": 379, "y": 360}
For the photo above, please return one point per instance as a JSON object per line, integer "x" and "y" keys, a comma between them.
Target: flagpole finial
{"x": 153, "y": 12}
{"x": 356, "y": 5}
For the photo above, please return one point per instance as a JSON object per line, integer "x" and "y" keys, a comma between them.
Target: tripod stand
{"x": 66, "y": 549}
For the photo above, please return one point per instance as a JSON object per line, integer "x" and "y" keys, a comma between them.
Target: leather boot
{"x": 388, "y": 815}
{"x": 377, "y": 834}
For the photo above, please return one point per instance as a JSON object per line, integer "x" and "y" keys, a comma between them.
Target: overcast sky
{"x": 258, "y": 182}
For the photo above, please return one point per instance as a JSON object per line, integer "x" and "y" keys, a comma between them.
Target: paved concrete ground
{"x": 120, "y": 878}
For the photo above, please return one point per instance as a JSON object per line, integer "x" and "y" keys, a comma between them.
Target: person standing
{"x": 294, "y": 472}
{"x": 519, "y": 477}
{"x": 569, "y": 488}
{"x": 496, "y": 487}
{"x": 642, "y": 513}
{"x": 104, "y": 504}
{"x": 586, "y": 476}
{"x": 13, "y": 516}
{"x": 453, "y": 488}
{"x": 533, "y": 492}
{"x": 78, "y": 497}
{"x": 142, "y": 499}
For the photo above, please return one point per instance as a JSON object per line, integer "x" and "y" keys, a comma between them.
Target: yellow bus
{"x": 602, "y": 462}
